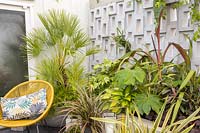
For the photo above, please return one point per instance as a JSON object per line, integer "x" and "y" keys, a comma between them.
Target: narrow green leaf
{"x": 187, "y": 120}
{"x": 107, "y": 120}
{"x": 167, "y": 117}
{"x": 177, "y": 106}
{"x": 187, "y": 79}
{"x": 188, "y": 129}
{"x": 158, "y": 119}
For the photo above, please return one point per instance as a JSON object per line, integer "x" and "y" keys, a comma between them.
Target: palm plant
{"x": 59, "y": 44}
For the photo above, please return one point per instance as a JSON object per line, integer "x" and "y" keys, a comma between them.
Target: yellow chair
{"x": 24, "y": 89}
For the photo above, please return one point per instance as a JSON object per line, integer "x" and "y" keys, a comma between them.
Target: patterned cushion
{"x": 25, "y": 106}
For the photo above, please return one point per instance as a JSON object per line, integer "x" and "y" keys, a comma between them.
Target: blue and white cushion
{"x": 25, "y": 106}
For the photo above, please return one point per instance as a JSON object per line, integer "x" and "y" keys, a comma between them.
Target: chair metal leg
{"x": 28, "y": 129}
{"x": 37, "y": 126}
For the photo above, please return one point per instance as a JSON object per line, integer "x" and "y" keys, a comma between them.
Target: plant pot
{"x": 109, "y": 127}
{"x": 54, "y": 121}
{"x": 88, "y": 130}
{"x": 68, "y": 122}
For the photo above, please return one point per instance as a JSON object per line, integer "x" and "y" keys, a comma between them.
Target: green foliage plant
{"x": 123, "y": 82}
{"x": 137, "y": 125}
{"x": 122, "y": 41}
{"x": 59, "y": 46}
{"x": 86, "y": 105}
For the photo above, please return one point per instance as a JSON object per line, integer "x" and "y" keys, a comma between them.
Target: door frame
{"x": 27, "y": 8}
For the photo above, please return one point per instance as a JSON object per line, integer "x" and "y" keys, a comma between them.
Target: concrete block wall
{"x": 137, "y": 22}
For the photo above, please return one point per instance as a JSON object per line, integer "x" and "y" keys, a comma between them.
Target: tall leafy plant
{"x": 59, "y": 44}
{"x": 160, "y": 13}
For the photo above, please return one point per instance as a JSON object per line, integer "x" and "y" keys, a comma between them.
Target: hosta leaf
{"x": 113, "y": 103}
{"x": 124, "y": 103}
{"x": 118, "y": 93}
{"x": 106, "y": 106}
{"x": 128, "y": 98}
{"x": 116, "y": 110}
{"x": 127, "y": 91}
{"x": 106, "y": 96}
{"x": 116, "y": 98}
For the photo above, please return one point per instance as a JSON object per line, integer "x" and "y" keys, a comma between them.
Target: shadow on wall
{"x": 13, "y": 69}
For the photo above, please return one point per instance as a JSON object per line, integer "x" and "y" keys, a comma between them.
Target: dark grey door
{"x": 13, "y": 67}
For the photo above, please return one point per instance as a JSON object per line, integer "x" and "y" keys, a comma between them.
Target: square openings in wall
{"x": 186, "y": 18}
{"x": 99, "y": 24}
{"x": 139, "y": 40}
{"x": 104, "y": 29}
{"x": 173, "y": 32}
{"x": 147, "y": 46}
{"x": 120, "y": 8}
{"x": 99, "y": 37}
{"x": 148, "y": 33}
{"x": 128, "y": 5}
{"x": 91, "y": 30}
{"x": 112, "y": 26}
{"x": 197, "y": 49}
{"x": 138, "y": 7}
{"x": 112, "y": 34}
{"x": 130, "y": 34}
{"x": 112, "y": 9}
{"x": 93, "y": 45}
{"x": 121, "y": 51}
{"x": 106, "y": 48}
{"x": 173, "y": 14}
{"x": 119, "y": 24}
{"x": 98, "y": 46}
{"x": 130, "y": 19}
{"x": 112, "y": 50}
{"x": 149, "y": 18}
{"x": 146, "y": 1}
{"x": 113, "y": 20}
{"x": 162, "y": 41}
{"x": 92, "y": 16}
{"x": 98, "y": 12}
{"x": 138, "y": 26}
{"x": 104, "y": 12}
{"x": 162, "y": 24}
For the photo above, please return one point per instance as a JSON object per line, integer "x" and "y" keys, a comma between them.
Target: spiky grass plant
{"x": 86, "y": 105}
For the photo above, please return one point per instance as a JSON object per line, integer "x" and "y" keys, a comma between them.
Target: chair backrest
{"x": 32, "y": 86}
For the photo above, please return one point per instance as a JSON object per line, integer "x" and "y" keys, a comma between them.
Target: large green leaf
{"x": 129, "y": 77}
{"x": 146, "y": 102}
{"x": 139, "y": 74}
